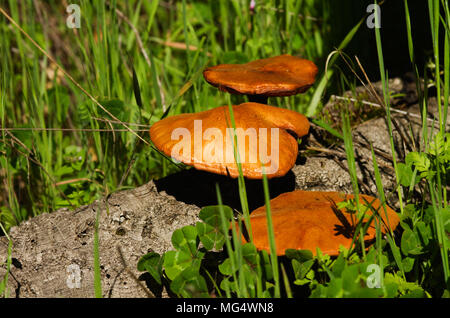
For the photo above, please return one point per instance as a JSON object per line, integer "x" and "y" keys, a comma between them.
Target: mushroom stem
{"x": 261, "y": 99}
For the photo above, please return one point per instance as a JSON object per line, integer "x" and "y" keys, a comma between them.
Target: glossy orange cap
{"x": 204, "y": 140}
{"x": 307, "y": 220}
{"x": 282, "y": 75}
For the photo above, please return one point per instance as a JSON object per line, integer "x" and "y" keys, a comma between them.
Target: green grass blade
{"x": 271, "y": 235}
{"x": 384, "y": 81}
{"x": 320, "y": 88}
{"x": 441, "y": 233}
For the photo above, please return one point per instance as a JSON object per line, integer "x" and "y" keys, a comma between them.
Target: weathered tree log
{"x": 53, "y": 253}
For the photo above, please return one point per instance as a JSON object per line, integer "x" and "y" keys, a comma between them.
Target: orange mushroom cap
{"x": 282, "y": 75}
{"x": 262, "y": 138}
{"x": 307, "y": 220}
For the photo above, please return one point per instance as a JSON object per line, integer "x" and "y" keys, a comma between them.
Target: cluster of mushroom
{"x": 301, "y": 219}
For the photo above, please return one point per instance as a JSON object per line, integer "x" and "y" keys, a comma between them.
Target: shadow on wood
{"x": 199, "y": 188}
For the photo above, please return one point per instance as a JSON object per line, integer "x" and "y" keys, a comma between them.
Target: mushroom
{"x": 282, "y": 75}
{"x": 310, "y": 220}
{"x": 205, "y": 140}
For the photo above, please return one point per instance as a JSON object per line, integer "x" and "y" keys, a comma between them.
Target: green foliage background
{"x": 132, "y": 57}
